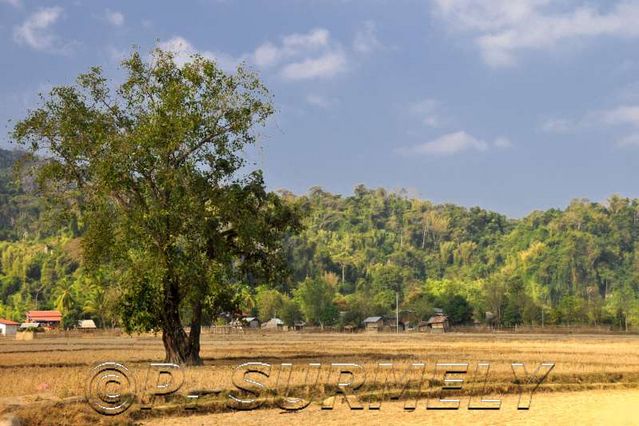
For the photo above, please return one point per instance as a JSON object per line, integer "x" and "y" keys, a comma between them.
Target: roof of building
{"x": 371, "y": 320}
{"x": 273, "y": 321}
{"x": 45, "y": 315}
{"x": 86, "y": 324}
{"x": 249, "y": 319}
{"x": 8, "y": 322}
{"x": 437, "y": 319}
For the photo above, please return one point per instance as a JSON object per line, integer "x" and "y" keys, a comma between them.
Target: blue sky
{"x": 512, "y": 105}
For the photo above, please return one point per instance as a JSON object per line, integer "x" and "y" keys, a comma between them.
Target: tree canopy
{"x": 154, "y": 170}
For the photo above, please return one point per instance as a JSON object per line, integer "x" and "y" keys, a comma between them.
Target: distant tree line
{"x": 578, "y": 266}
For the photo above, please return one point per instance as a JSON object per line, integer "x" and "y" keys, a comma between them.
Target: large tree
{"x": 157, "y": 171}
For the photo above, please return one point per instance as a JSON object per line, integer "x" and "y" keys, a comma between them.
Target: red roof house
{"x": 8, "y": 327}
{"x": 44, "y": 317}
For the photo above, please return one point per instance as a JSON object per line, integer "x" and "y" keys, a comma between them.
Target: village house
{"x": 390, "y": 324}
{"x": 373, "y": 324}
{"x": 8, "y": 327}
{"x": 273, "y": 324}
{"x": 438, "y": 323}
{"x": 298, "y": 326}
{"x": 251, "y": 322}
{"x": 423, "y": 326}
{"x": 51, "y": 319}
{"x": 88, "y": 324}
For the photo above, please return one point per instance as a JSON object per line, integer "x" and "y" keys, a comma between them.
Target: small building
{"x": 251, "y": 322}
{"x": 438, "y": 323}
{"x": 390, "y": 324}
{"x": 373, "y": 324}
{"x": 299, "y": 325}
{"x": 273, "y": 324}
{"x": 50, "y": 319}
{"x": 8, "y": 327}
{"x": 423, "y": 326}
{"x": 86, "y": 324}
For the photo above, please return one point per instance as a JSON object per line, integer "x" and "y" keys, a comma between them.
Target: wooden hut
{"x": 438, "y": 323}
{"x": 373, "y": 323}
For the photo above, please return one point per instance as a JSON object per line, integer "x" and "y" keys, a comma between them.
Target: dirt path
{"x": 587, "y": 408}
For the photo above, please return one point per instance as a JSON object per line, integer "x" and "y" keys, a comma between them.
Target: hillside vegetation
{"x": 574, "y": 266}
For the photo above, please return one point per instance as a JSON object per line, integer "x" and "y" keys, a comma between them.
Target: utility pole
{"x": 397, "y": 310}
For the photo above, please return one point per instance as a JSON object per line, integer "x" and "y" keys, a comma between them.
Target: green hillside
{"x": 574, "y": 266}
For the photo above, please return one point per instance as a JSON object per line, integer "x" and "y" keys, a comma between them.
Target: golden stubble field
{"x": 43, "y": 381}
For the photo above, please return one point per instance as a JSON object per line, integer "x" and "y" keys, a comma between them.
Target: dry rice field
{"x": 595, "y": 378}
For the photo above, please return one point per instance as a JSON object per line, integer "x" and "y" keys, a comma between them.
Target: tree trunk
{"x": 194, "y": 335}
{"x": 178, "y": 347}
{"x": 343, "y": 273}
{"x": 625, "y": 318}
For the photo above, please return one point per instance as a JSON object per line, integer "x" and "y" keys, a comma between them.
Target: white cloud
{"x": 502, "y": 28}
{"x": 35, "y": 30}
{"x": 502, "y": 142}
{"x": 366, "y": 40}
{"x": 427, "y": 110}
{"x": 114, "y": 18}
{"x": 297, "y": 56}
{"x": 325, "y": 66}
{"x": 266, "y": 55}
{"x": 302, "y": 56}
{"x": 630, "y": 140}
{"x": 446, "y": 145}
{"x": 625, "y": 115}
{"x": 14, "y": 3}
{"x": 292, "y": 45}
{"x": 628, "y": 114}
{"x": 316, "y": 38}
{"x": 558, "y": 125}
{"x": 622, "y": 116}
{"x": 183, "y": 50}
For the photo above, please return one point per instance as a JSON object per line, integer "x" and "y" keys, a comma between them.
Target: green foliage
{"x": 154, "y": 175}
{"x": 315, "y": 298}
{"x": 269, "y": 303}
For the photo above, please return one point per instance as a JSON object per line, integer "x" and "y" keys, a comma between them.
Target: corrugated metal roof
{"x": 35, "y": 316}
{"x": 372, "y": 319}
{"x": 437, "y": 319}
{"x": 86, "y": 324}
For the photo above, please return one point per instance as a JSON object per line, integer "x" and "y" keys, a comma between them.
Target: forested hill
{"x": 576, "y": 266}
{"x": 18, "y": 212}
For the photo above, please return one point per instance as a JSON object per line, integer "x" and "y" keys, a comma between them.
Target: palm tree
{"x": 65, "y": 295}
{"x": 95, "y": 302}
{"x": 246, "y": 299}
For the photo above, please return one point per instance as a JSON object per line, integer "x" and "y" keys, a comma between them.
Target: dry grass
{"x": 588, "y": 408}
{"x": 57, "y": 368}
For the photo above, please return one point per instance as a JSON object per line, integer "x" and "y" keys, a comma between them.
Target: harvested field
{"x": 43, "y": 381}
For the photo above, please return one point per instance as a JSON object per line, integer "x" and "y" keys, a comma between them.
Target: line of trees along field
{"x": 579, "y": 266}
